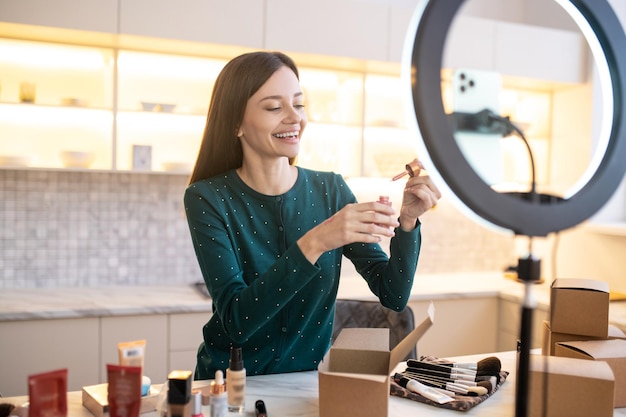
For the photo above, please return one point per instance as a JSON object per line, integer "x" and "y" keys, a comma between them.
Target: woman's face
{"x": 274, "y": 118}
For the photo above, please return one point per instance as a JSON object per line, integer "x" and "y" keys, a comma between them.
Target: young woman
{"x": 269, "y": 236}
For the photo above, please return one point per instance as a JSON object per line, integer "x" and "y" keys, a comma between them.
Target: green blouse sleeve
{"x": 243, "y": 307}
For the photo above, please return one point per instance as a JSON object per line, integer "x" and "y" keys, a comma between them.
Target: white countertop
{"x": 296, "y": 395}
{"x": 41, "y": 303}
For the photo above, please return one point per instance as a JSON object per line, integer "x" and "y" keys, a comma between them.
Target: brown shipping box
{"x": 579, "y": 306}
{"x": 550, "y": 338}
{"x": 354, "y": 375}
{"x": 612, "y": 352}
{"x": 570, "y": 387}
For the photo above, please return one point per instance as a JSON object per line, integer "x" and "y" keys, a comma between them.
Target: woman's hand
{"x": 363, "y": 222}
{"x": 420, "y": 195}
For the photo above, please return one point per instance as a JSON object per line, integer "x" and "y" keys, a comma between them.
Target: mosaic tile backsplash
{"x": 78, "y": 229}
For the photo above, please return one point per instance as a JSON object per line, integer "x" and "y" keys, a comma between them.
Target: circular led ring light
{"x": 522, "y": 216}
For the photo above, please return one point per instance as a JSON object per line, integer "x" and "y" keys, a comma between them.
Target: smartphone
{"x": 473, "y": 91}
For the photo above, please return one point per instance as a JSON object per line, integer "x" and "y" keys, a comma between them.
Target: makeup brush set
{"x": 449, "y": 384}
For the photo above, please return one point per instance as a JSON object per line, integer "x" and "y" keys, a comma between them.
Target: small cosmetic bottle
{"x": 236, "y": 381}
{"x": 219, "y": 406}
{"x": 384, "y": 199}
{"x": 179, "y": 394}
{"x": 196, "y": 403}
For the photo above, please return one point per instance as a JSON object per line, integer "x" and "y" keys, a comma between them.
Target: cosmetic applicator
{"x": 424, "y": 390}
{"x": 411, "y": 169}
{"x": 440, "y": 374}
{"x": 452, "y": 372}
{"x": 490, "y": 364}
{"x": 450, "y": 386}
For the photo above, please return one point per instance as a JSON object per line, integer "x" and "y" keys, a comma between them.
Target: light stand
{"x": 524, "y": 214}
{"x": 529, "y": 272}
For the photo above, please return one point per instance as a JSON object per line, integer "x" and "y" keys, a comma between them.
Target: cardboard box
{"x": 612, "y": 352}
{"x": 569, "y": 387}
{"x": 354, "y": 376}
{"x": 550, "y": 338}
{"x": 95, "y": 400}
{"x": 579, "y": 306}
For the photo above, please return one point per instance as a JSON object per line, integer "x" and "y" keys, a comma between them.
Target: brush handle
{"x": 442, "y": 380}
{"x": 459, "y": 378}
{"x": 414, "y": 363}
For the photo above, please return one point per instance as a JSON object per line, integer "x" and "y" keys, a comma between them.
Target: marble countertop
{"x": 41, "y": 303}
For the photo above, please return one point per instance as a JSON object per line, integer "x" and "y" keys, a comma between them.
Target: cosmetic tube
{"x": 124, "y": 390}
{"x": 132, "y": 353}
{"x": 236, "y": 381}
{"x": 425, "y": 391}
{"x": 219, "y": 398}
{"x": 47, "y": 394}
{"x": 179, "y": 394}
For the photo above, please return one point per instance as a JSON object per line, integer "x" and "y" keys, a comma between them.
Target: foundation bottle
{"x": 236, "y": 381}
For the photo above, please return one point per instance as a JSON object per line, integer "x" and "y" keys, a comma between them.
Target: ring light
{"x": 522, "y": 215}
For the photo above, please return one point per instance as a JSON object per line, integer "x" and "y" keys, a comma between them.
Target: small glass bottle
{"x": 384, "y": 199}
{"x": 219, "y": 406}
{"x": 236, "y": 381}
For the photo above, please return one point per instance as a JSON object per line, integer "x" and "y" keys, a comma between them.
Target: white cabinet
{"x": 151, "y": 328}
{"x": 347, "y": 28}
{"x": 232, "y": 22}
{"x": 463, "y": 326}
{"x": 32, "y": 347}
{"x": 184, "y": 339}
{"x": 469, "y": 44}
{"x": 540, "y": 53}
{"x": 86, "y": 345}
{"x": 93, "y": 15}
{"x": 516, "y": 50}
{"x": 510, "y": 320}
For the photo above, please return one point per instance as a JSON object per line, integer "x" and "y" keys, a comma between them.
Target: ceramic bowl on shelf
{"x": 77, "y": 159}
{"x": 73, "y": 102}
{"x": 175, "y": 166}
{"x": 15, "y": 160}
{"x": 157, "y": 107}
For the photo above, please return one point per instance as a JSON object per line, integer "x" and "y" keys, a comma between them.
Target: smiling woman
{"x": 270, "y": 236}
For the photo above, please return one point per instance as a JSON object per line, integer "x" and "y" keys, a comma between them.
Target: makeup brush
{"x": 450, "y": 386}
{"x": 447, "y": 375}
{"x": 402, "y": 379}
{"x": 464, "y": 384}
{"x": 452, "y": 371}
{"x": 489, "y": 365}
{"x": 432, "y": 393}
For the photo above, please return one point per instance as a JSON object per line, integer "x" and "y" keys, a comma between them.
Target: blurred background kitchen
{"x": 103, "y": 104}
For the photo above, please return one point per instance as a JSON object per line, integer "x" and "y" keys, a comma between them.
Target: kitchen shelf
{"x": 356, "y": 109}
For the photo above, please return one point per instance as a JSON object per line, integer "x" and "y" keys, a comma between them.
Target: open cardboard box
{"x": 354, "y": 376}
{"x": 568, "y": 387}
{"x": 551, "y": 338}
{"x": 579, "y": 306}
{"x": 95, "y": 399}
{"x": 612, "y": 352}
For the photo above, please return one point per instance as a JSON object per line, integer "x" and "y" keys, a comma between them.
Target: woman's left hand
{"x": 420, "y": 195}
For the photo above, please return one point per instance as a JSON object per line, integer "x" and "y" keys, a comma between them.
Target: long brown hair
{"x": 240, "y": 78}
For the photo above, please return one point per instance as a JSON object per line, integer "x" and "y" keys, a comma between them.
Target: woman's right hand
{"x": 360, "y": 222}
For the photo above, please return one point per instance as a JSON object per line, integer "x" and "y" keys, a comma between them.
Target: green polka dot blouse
{"x": 267, "y": 297}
